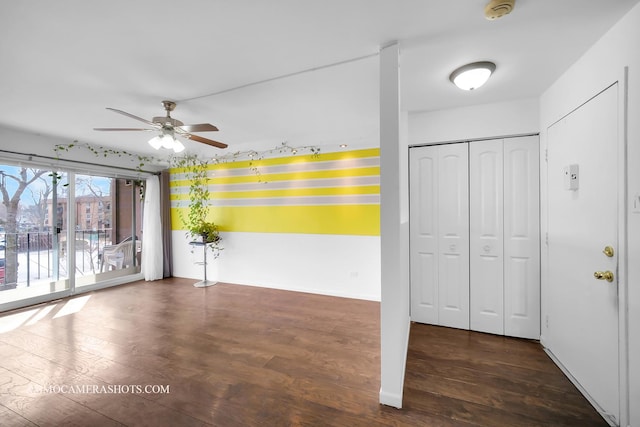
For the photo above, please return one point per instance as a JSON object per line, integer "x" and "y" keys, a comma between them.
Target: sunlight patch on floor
{"x": 30, "y": 317}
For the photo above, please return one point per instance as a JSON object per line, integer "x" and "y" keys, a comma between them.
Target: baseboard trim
{"x": 395, "y": 399}
{"x": 606, "y": 416}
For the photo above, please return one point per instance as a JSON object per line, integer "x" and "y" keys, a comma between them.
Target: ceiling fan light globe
{"x": 178, "y": 147}
{"x": 156, "y": 142}
{"x": 167, "y": 142}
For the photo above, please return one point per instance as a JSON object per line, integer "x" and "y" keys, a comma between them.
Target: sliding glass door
{"x": 62, "y": 233}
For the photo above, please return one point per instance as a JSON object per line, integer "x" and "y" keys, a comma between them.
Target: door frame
{"x": 622, "y": 205}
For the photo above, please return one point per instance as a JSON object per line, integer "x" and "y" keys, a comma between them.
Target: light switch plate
{"x": 571, "y": 177}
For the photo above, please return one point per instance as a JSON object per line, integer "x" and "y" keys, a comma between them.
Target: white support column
{"x": 394, "y": 305}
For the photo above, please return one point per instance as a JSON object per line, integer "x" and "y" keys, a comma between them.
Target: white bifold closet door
{"x": 505, "y": 237}
{"x": 439, "y": 223}
{"x": 522, "y": 237}
{"x": 474, "y": 236}
{"x": 486, "y": 203}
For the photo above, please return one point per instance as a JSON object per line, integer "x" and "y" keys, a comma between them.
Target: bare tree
{"x": 87, "y": 186}
{"x": 37, "y": 212}
{"x": 85, "y": 183}
{"x": 23, "y": 178}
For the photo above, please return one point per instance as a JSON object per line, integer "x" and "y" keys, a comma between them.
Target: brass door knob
{"x": 608, "y": 251}
{"x": 604, "y": 275}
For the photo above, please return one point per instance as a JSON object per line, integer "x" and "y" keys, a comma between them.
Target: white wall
{"x": 602, "y": 65}
{"x": 340, "y": 265}
{"x": 480, "y": 121}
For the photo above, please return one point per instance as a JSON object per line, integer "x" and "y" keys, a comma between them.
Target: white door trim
{"x": 623, "y": 307}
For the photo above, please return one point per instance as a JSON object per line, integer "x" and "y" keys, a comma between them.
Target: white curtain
{"x": 152, "y": 254}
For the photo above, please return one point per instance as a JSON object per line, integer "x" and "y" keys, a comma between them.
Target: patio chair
{"x": 120, "y": 255}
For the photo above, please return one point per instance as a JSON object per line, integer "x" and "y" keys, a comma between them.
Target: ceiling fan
{"x": 168, "y": 129}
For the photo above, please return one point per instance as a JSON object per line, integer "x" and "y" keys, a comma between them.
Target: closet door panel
{"x": 486, "y": 236}
{"x": 453, "y": 235}
{"x": 423, "y": 226}
{"x": 522, "y": 237}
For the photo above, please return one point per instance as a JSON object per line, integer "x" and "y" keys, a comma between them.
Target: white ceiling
{"x": 63, "y": 62}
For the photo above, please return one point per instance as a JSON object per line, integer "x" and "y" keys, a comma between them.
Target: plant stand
{"x": 204, "y": 283}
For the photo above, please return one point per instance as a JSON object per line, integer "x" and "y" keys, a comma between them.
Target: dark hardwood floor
{"x": 244, "y": 356}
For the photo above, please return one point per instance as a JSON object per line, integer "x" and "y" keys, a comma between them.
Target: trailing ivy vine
{"x": 195, "y": 169}
{"x": 139, "y": 159}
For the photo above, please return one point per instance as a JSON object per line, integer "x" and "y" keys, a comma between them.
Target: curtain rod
{"x": 80, "y": 162}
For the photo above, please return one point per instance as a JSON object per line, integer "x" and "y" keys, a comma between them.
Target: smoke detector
{"x": 498, "y": 8}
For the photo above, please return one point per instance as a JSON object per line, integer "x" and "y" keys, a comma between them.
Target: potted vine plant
{"x": 207, "y": 231}
{"x": 199, "y": 228}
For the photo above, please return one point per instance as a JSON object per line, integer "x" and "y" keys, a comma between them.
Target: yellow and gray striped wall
{"x": 333, "y": 193}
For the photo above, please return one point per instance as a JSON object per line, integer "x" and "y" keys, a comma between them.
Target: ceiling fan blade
{"x": 124, "y": 113}
{"x": 125, "y": 129}
{"x": 201, "y": 127}
{"x": 206, "y": 141}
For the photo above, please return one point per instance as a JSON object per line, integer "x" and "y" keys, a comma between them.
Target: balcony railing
{"x": 35, "y": 256}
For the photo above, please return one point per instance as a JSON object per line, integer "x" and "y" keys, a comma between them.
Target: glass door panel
{"x": 30, "y": 266}
{"x": 106, "y": 244}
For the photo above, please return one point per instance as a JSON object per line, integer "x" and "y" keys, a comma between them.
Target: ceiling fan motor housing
{"x": 498, "y": 8}
{"x": 167, "y": 121}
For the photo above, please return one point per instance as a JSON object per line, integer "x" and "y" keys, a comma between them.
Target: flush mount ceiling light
{"x": 472, "y": 76}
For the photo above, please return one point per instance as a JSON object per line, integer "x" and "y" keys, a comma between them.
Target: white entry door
{"x": 439, "y": 242}
{"x": 582, "y": 314}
